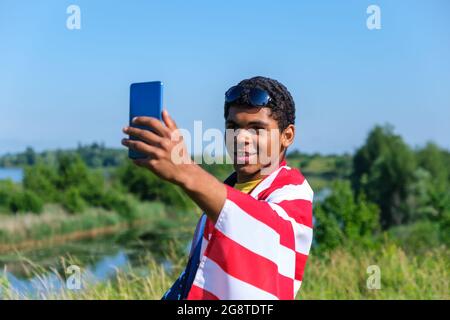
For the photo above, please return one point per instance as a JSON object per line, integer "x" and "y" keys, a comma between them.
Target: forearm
{"x": 205, "y": 190}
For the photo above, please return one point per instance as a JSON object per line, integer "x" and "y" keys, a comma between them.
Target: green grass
{"x": 343, "y": 275}
{"x": 56, "y": 221}
{"x": 320, "y": 171}
{"x": 336, "y": 275}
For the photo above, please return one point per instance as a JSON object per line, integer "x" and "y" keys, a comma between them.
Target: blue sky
{"x": 59, "y": 87}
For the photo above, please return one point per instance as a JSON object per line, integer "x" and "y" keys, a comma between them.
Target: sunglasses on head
{"x": 256, "y": 97}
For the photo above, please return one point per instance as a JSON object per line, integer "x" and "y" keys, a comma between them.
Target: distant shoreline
{"x": 55, "y": 225}
{"x": 72, "y": 236}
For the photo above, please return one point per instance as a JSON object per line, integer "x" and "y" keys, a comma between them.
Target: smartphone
{"x": 145, "y": 100}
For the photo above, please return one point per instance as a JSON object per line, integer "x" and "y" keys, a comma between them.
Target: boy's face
{"x": 257, "y": 141}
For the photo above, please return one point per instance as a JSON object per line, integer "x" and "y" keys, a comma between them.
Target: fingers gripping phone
{"x": 145, "y": 100}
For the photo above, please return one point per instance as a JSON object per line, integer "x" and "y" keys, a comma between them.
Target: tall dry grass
{"x": 340, "y": 274}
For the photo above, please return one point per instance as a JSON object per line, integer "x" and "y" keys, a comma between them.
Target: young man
{"x": 253, "y": 240}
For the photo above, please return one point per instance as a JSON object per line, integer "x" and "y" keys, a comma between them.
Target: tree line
{"x": 386, "y": 187}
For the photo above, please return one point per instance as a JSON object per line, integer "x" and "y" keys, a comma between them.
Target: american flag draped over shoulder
{"x": 259, "y": 246}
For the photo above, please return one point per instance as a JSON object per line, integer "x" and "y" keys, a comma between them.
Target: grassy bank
{"x": 24, "y": 230}
{"x": 339, "y": 274}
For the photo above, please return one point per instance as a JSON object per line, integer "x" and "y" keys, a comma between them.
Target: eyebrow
{"x": 251, "y": 123}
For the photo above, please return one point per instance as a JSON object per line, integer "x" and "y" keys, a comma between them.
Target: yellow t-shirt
{"x": 246, "y": 187}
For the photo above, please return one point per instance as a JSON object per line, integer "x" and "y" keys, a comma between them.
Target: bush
{"x": 146, "y": 186}
{"x": 418, "y": 237}
{"x": 72, "y": 171}
{"x": 445, "y": 227}
{"x": 341, "y": 219}
{"x": 113, "y": 200}
{"x": 6, "y": 188}
{"x": 32, "y": 202}
{"x": 25, "y": 201}
{"x": 92, "y": 189}
{"x": 42, "y": 180}
{"x": 13, "y": 199}
{"x": 72, "y": 201}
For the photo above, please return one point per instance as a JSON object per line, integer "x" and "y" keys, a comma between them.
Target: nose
{"x": 241, "y": 134}
{"x": 246, "y": 140}
{"x": 241, "y": 139}
{"x": 244, "y": 137}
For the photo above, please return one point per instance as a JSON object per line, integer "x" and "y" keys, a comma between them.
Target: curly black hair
{"x": 282, "y": 104}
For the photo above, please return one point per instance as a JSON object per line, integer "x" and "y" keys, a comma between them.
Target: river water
{"x": 14, "y": 174}
{"x": 99, "y": 259}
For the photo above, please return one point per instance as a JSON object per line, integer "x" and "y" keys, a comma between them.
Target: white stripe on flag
{"x": 303, "y": 234}
{"x": 224, "y": 286}
{"x": 292, "y": 192}
{"x": 267, "y": 182}
{"x": 204, "y": 245}
{"x": 297, "y": 285}
{"x": 256, "y": 236}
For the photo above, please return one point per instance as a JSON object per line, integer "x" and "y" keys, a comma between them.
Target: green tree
{"x": 434, "y": 160}
{"x": 383, "y": 169}
{"x": 435, "y": 187}
{"x": 145, "y": 185}
{"x": 72, "y": 171}
{"x": 30, "y": 156}
{"x": 41, "y": 179}
{"x": 341, "y": 219}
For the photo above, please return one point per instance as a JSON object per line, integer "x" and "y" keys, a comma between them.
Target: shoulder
{"x": 288, "y": 182}
{"x": 290, "y": 195}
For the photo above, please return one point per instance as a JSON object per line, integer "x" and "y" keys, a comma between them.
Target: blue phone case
{"x": 145, "y": 100}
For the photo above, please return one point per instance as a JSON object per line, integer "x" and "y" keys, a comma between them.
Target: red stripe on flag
{"x": 209, "y": 227}
{"x": 300, "y": 262}
{"x": 197, "y": 293}
{"x": 299, "y": 210}
{"x": 239, "y": 262}
{"x": 284, "y": 177}
{"x": 262, "y": 211}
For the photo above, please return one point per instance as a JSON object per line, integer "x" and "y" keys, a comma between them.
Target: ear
{"x": 287, "y": 136}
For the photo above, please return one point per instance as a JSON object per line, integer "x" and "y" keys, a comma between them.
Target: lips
{"x": 243, "y": 157}
{"x": 245, "y": 153}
